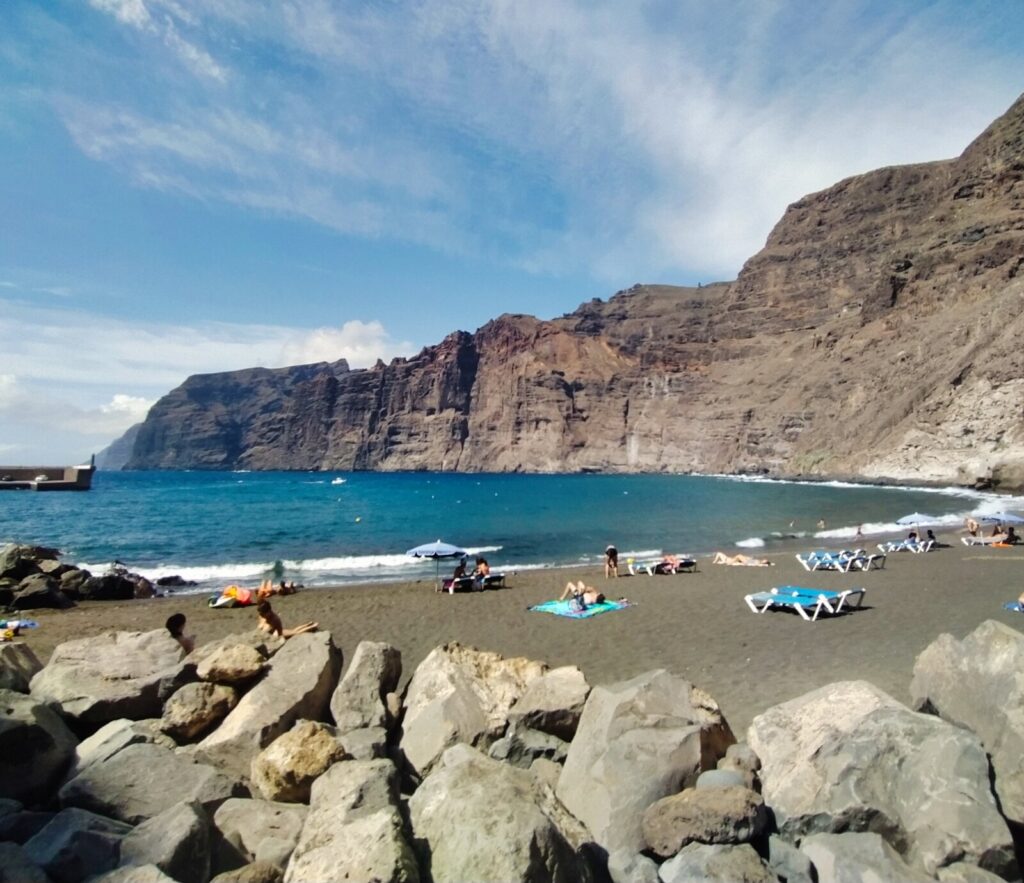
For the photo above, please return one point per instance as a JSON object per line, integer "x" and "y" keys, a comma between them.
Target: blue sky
{"x": 203, "y": 185}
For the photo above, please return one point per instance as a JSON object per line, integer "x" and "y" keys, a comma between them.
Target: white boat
{"x": 338, "y": 480}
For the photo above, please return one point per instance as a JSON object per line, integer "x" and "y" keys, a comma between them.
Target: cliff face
{"x": 876, "y": 334}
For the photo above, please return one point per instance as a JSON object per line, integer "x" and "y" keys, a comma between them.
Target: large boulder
{"x": 177, "y": 841}
{"x": 18, "y": 665}
{"x": 261, "y": 829}
{"x": 718, "y": 863}
{"x": 359, "y": 700}
{"x": 196, "y": 708}
{"x": 287, "y": 768}
{"x": 109, "y": 587}
{"x": 17, "y": 867}
{"x": 976, "y": 683}
{"x": 39, "y": 592}
{"x": 141, "y": 781}
{"x": 256, "y": 872}
{"x": 18, "y": 560}
{"x": 354, "y": 830}
{"x": 478, "y": 819}
{"x": 713, "y": 815}
{"x": 111, "y": 738}
{"x": 849, "y": 757}
{"x": 638, "y": 741}
{"x": 233, "y": 664}
{"x": 133, "y": 874}
{"x": 76, "y": 844}
{"x": 109, "y": 676}
{"x": 35, "y": 747}
{"x": 553, "y": 703}
{"x": 858, "y": 858}
{"x": 299, "y": 682}
{"x": 461, "y": 694}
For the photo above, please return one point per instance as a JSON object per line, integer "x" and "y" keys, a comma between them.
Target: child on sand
{"x": 271, "y": 622}
{"x": 176, "y": 626}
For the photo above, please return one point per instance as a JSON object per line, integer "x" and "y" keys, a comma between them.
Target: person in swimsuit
{"x": 271, "y": 622}
{"x": 579, "y": 591}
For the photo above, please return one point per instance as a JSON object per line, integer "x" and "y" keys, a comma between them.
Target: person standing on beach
{"x": 611, "y": 562}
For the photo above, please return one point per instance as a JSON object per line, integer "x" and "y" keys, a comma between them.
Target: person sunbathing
{"x": 271, "y": 622}
{"x": 741, "y": 560}
{"x": 267, "y": 588}
{"x": 581, "y": 592}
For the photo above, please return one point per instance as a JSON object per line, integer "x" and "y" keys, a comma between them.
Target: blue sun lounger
{"x": 809, "y": 603}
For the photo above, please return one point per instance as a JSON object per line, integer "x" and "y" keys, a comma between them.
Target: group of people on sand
{"x": 1000, "y": 535}
{"x": 481, "y": 571}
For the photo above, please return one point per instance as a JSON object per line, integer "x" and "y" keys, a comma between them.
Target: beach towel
{"x": 568, "y": 608}
{"x": 1015, "y": 606}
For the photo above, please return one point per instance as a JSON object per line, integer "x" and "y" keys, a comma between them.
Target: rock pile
{"x": 33, "y": 577}
{"x": 248, "y": 760}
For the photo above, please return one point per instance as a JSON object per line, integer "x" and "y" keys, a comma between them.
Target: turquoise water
{"x": 322, "y": 528}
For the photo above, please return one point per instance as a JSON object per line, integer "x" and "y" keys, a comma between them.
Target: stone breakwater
{"x": 252, "y": 759}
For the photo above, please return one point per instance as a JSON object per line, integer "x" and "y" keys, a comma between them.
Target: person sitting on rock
{"x": 584, "y": 594}
{"x": 741, "y": 560}
{"x": 271, "y": 622}
{"x": 176, "y": 626}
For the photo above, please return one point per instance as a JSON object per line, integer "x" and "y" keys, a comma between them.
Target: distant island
{"x": 877, "y": 335}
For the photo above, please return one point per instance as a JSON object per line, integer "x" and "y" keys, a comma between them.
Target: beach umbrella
{"x": 917, "y": 518}
{"x": 437, "y": 551}
{"x": 1002, "y": 518}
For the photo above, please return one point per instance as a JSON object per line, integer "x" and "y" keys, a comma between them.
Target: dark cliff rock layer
{"x": 877, "y": 334}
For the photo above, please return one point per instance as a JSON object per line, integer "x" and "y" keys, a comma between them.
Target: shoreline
{"x": 695, "y": 625}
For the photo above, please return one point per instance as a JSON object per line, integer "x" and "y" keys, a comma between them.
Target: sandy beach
{"x": 695, "y": 625}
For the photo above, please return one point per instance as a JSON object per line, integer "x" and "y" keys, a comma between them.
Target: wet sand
{"x": 695, "y": 625}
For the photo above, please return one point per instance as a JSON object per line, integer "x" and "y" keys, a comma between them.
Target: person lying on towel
{"x": 741, "y": 560}
{"x": 583, "y": 595}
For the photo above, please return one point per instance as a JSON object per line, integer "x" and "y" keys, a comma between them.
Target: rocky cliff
{"x": 877, "y": 334}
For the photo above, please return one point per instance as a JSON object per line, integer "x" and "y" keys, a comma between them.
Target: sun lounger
{"x": 906, "y": 546}
{"x": 661, "y": 567}
{"x": 808, "y": 603}
{"x": 460, "y": 584}
{"x": 494, "y": 581}
{"x": 982, "y": 541}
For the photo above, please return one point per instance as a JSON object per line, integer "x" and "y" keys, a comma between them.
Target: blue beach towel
{"x": 1014, "y": 606}
{"x": 568, "y": 608}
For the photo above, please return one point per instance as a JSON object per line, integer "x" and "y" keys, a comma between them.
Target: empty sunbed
{"x": 808, "y": 603}
{"x": 844, "y": 561}
{"x": 906, "y": 546}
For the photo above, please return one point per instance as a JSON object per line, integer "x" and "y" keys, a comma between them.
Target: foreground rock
{"x": 287, "y": 768}
{"x": 195, "y": 708}
{"x": 849, "y": 757}
{"x": 858, "y": 857}
{"x": 529, "y": 834}
{"x": 37, "y": 747}
{"x": 976, "y": 683}
{"x": 77, "y": 844}
{"x": 232, "y": 664}
{"x": 719, "y": 863}
{"x": 715, "y": 815}
{"x": 110, "y": 676}
{"x": 113, "y": 737}
{"x": 298, "y": 684}
{"x": 261, "y": 830}
{"x": 354, "y": 830}
{"x": 552, "y": 703}
{"x": 177, "y": 841}
{"x": 461, "y": 694}
{"x": 17, "y": 867}
{"x": 142, "y": 781}
{"x": 638, "y": 741}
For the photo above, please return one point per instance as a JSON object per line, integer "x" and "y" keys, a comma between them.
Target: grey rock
{"x": 366, "y": 743}
{"x": 287, "y": 768}
{"x": 521, "y": 746}
{"x": 460, "y": 694}
{"x": 249, "y": 823}
{"x": 17, "y": 867}
{"x": 359, "y": 700}
{"x": 722, "y": 778}
{"x": 76, "y": 844}
{"x": 849, "y": 757}
{"x": 233, "y": 664}
{"x": 975, "y": 683}
{"x": 109, "y": 676}
{"x": 546, "y": 771}
{"x": 298, "y": 685}
{"x": 196, "y": 708}
{"x": 111, "y": 738}
{"x": 354, "y": 829}
{"x": 39, "y": 592}
{"x": 263, "y": 643}
{"x": 716, "y": 863}
{"x": 963, "y": 873}
{"x": 628, "y": 867}
{"x": 257, "y": 872}
{"x": 274, "y": 851}
{"x": 484, "y": 820}
{"x": 638, "y": 741}
{"x": 18, "y": 560}
{"x": 9, "y": 805}
{"x": 714, "y": 815}
{"x": 18, "y": 665}
{"x": 37, "y": 747}
{"x": 858, "y": 858}
{"x": 789, "y": 863}
{"x": 742, "y": 756}
{"x": 177, "y": 841}
{"x": 20, "y": 827}
{"x": 553, "y": 703}
{"x": 141, "y": 781}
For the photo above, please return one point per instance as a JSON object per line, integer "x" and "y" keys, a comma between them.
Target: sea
{"x": 346, "y": 528}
